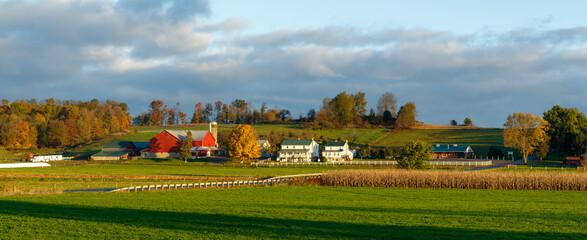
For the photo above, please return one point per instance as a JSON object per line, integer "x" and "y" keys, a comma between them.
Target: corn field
{"x": 570, "y": 181}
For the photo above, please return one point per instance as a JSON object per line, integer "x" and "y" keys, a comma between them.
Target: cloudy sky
{"x": 454, "y": 59}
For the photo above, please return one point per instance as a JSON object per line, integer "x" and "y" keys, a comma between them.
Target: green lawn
{"x": 479, "y": 139}
{"x": 294, "y": 212}
{"x": 93, "y": 176}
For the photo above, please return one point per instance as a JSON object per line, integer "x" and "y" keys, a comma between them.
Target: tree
{"x": 242, "y": 143}
{"x": 525, "y": 132}
{"x": 453, "y": 122}
{"x": 387, "y": 102}
{"x": 341, "y": 109}
{"x": 567, "y": 129}
{"x": 198, "y": 113}
{"x": 311, "y": 114}
{"x": 406, "y": 116}
{"x": 542, "y": 149}
{"x": 56, "y": 135}
{"x": 416, "y": 155}
{"x": 495, "y": 152}
{"x": 467, "y": 122}
{"x": 359, "y": 104}
{"x": 283, "y": 114}
{"x": 186, "y": 147}
{"x": 157, "y": 113}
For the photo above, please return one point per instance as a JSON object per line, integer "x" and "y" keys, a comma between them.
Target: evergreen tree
{"x": 186, "y": 147}
{"x": 416, "y": 155}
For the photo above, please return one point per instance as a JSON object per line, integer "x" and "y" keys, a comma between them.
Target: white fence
{"x": 434, "y": 163}
{"x": 267, "y": 182}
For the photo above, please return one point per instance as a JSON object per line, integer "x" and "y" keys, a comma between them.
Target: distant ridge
{"x": 424, "y": 126}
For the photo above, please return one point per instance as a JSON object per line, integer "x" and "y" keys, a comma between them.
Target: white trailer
{"x": 47, "y": 158}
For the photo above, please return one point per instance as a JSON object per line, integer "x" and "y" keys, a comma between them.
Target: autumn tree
{"x": 56, "y": 135}
{"x": 406, "y": 116}
{"x": 157, "y": 112}
{"x": 525, "y": 132}
{"x": 186, "y": 147}
{"x": 467, "y": 122}
{"x": 198, "y": 111}
{"x": 242, "y": 143}
{"x": 387, "y": 102}
{"x": 416, "y": 155}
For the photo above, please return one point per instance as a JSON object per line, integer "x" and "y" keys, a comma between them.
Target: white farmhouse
{"x": 337, "y": 151}
{"x": 263, "y": 146}
{"x": 298, "y": 151}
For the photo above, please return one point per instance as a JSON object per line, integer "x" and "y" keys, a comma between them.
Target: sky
{"x": 453, "y": 59}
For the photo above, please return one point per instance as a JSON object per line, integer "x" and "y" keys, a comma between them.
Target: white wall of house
{"x": 337, "y": 153}
{"x": 305, "y": 153}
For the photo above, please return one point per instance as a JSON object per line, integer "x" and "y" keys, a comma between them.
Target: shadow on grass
{"x": 249, "y": 226}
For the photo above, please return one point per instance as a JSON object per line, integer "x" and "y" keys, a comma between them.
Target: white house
{"x": 337, "y": 151}
{"x": 298, "y": 151}
{"x": 263, "y": 146}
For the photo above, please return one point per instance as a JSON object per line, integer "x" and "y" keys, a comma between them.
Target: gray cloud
{"x": 138, "y": 51}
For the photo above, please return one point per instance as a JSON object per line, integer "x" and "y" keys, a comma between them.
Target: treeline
{"x": 344, "y": 110}
{"x": 237, "y": 111}
{"x": 350, "y": 110}
{"x": 52, "y": 123}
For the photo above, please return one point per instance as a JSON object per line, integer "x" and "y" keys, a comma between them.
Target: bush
{"x": 416, "y": 154}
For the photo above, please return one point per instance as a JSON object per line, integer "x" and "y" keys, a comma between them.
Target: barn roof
{"x": 111, "y": 154}
{"x": 262, "y": 142}
{"x": 117, "y": 144}
{"x": 197, "y": 135}
{"x": 335, "y": 144}
{"x": 450, "y": 148}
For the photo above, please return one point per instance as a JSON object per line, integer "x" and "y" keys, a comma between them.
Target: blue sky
{"x": 454, "y": 59}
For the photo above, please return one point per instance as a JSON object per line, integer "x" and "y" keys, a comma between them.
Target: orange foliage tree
{"x": 242, "y": 143}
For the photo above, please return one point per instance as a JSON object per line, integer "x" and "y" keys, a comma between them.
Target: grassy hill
{"x": 479, "y": 138}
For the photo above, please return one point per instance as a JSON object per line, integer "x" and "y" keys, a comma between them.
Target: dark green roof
{"x": 335, "y": 144}
{"x": 294, "y": 150}
{"x": 296, "y": 142}
{"x": 120, "y": 144}
{"x": 449, "y": 148}
{"x": 142, "y": 145}
{"x": 111, "y": 154}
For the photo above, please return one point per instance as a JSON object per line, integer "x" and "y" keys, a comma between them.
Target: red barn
{"x": 168, "y": 142}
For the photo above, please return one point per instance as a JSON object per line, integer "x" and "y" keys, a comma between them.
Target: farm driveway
{"x": 517, "y": 162}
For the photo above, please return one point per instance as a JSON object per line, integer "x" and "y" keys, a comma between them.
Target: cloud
{"x": 138, "y": 51}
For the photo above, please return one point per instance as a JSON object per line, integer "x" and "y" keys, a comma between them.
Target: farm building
{"x": 119, "y": 150}
{"x": 572, "y": 161}
{"x": 298, "y": 151}
{"x": 167, "y": 144}
{"x": 263, "y": 146}
{"x": 451, "y": 151}
{"x": 337, "y": 151}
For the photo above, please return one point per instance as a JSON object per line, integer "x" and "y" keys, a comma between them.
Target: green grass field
{"x": 479, "y": 139}
{"x": 298, "y": 212}
{"x": 163, "y": 171}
